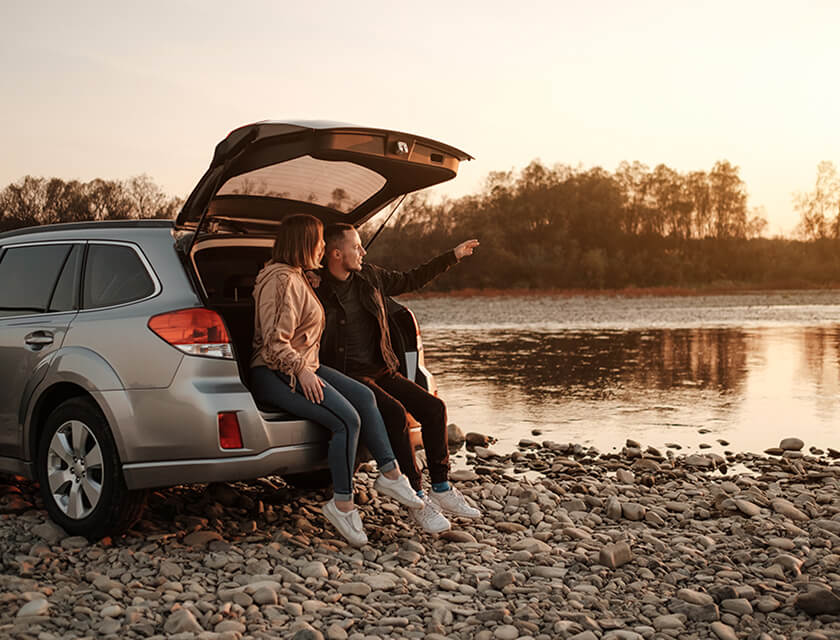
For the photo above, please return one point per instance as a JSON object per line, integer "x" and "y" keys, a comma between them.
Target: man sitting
{"x": 357, "y": 341}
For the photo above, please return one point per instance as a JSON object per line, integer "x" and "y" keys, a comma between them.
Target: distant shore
{"x": 713, "y": 289}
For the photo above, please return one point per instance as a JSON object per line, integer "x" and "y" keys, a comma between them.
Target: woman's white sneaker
{"x": 348, "y": 523}
{"x": 430, "y": 518}
{"x": 399, "y": 489}
{"x": 453, "y": 501}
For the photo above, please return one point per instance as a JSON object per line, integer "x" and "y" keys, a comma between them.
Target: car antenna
{"x": 382, "y": 226}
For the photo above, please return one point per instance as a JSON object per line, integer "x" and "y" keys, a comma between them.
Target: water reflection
{"x": 750, "y": 387}
{"x": 590, "y": 362}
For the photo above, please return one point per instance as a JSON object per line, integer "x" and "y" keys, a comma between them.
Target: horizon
{"x": 563, "y": 84}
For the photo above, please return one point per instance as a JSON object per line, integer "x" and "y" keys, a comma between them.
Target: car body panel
{"x": 22, "y": 366}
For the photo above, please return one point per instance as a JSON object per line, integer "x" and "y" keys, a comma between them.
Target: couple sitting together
{"x": 325, "y": 354}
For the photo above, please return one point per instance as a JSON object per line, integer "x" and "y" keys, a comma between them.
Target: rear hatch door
{"x": 262, "y": 172}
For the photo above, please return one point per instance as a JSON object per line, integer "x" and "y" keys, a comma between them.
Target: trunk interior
{"x": 227, "y": 269}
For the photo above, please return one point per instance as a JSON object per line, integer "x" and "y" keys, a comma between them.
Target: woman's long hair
{"x": 296, "y": 241}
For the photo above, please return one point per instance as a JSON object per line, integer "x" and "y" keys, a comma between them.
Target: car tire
{"x": 310, "y": 480}
{"x": 80, "y": 476}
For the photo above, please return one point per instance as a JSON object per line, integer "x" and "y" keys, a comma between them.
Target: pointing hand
{"x": 466, "y": 248}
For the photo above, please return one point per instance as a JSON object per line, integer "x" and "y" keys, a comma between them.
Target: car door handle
{"x": 39, "y": 338}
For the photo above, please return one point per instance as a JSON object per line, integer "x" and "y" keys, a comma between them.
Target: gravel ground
{"x": 638, "y": 544}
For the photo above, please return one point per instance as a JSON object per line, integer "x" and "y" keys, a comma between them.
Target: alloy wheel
{"x": 74, "y": 469}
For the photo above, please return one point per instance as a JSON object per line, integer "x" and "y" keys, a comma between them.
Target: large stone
{"x": 791, "y": 444}
{"x": 549, "y": 572}
{"x": 381, "y": 582}
{"x": 201, "y": 538}
{"x": 723, "y": 631}
{"x": 50, "y": 532}
{"x": 477, "y": 439}
{"x": 360, "y": 589}
{"x": 615, "y": 555}
{"x": 817, "y": 602}
{"x": 669, "y": 621}
{"x": 182, "y": 621}
{"x": 531, "y": 544}
{"x": 463, "y": 475}
{"x": 38, "y": 607}
{"x": 336, "y": 632}
{"x": 696, "y": 612}
{"x": 747, "y": 508}
{"x": 457, "y": 535}
{"x": 454, "y": 436}
{"x": 506, "y": 632}
{"x": 633, "y": 511}
{"x": 624, "y": 476}
{"x": 695, "y": 597}
{"x": 697, "y": 460}
{"x": 170, "y": 569}
{"x": 501, "y": 579}
{"x": 738, "y": 606}
{"x": 787, "y": 509}
{"x": 613, "y": 508}
{"x": 314, "y": 570}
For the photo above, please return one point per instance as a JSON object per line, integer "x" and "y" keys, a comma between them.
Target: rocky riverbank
{"x": 638, "y": 544}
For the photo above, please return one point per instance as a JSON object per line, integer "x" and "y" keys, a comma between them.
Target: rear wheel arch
{"x": 47, "y": 402}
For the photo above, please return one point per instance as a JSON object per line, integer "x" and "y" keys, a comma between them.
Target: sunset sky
{"x": 100, "y": 89}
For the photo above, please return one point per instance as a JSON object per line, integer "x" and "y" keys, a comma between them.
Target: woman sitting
{"x": 286, "y": 374}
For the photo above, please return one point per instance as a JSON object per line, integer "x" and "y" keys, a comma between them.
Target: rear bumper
{"x": 277, "y": 460}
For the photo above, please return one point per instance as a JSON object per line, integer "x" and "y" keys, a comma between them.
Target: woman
{"x": 286, "y": 373}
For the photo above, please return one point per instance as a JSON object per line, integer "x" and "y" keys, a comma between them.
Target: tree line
{"x": 543, "y": 227}
{"x": 574, "y": 228}
{"x": 35, "y": 201}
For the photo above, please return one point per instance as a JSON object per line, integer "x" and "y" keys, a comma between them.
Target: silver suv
{"x": 124, "y": 346}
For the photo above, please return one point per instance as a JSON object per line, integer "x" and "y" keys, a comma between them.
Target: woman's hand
{"x": 312, "y": 386}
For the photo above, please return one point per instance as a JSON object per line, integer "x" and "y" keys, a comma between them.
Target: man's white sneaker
{"x": 430, "y": 518}
{"x": 399, "y": 489}
{"x": 453, "y": 501}
{"x": 348, "y": 524}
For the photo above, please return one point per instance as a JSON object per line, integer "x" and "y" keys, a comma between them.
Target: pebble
{"x": 615, "y": 555}
{"x": 506, "y": 632}
{"x": 723, "y": 631}
{"x": 675, "y": 546}
{"x": 37, "y": 607}
{"x": 791, "y": 444}
{"x": 314, "y": 570}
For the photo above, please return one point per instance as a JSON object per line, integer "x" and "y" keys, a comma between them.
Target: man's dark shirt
{"x": 362, "y": 350}
{"x": 373, "y": 284}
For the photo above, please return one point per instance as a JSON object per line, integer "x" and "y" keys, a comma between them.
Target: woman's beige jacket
{"x": 288, "y": 321}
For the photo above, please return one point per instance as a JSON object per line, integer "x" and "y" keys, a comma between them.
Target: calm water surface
{"x": 750, "y": 369}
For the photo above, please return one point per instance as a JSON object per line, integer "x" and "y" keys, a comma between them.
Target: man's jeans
{"x": 347, "y": 408}
{"x": 396, "y": 394}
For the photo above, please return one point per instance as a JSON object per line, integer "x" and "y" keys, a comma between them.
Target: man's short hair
{"x": 334, "y": 233}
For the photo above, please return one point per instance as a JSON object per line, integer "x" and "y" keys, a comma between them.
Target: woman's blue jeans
{"x": 348, "y": 409}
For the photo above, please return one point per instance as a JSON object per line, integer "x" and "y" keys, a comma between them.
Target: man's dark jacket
{"x": 375, "y": 282}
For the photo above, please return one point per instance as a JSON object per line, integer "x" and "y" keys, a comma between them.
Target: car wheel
{"x": 309, "y": 481}
{"x": 79, "y": 472}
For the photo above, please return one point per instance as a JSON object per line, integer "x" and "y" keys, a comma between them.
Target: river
{"x": 724, "y": 373}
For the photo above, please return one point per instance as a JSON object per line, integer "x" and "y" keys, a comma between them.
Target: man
{"x": 357, "y": 341}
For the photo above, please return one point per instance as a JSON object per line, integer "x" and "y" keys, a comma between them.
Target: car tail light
{"x": 196, "y": 331}
{"x": 230, "y": 437}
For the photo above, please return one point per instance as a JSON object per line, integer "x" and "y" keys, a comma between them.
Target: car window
{"x": 341, "y": 186}
{"x": 64, "y": 295}
{"x": 28, "y": 276}
{"x": 114, "y": 274}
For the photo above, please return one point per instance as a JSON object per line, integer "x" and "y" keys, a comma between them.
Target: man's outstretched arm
{"x": 396, "y": 282}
